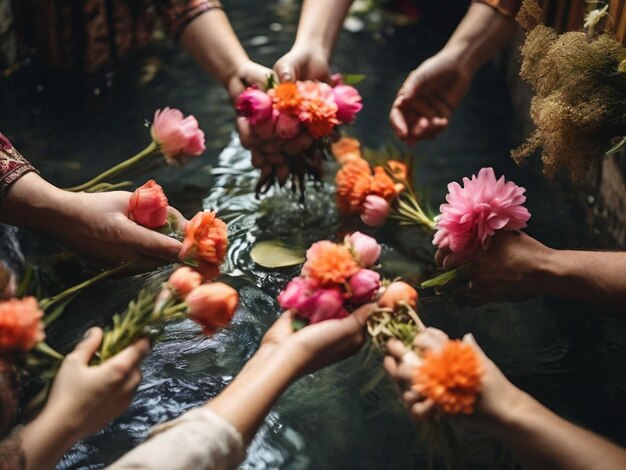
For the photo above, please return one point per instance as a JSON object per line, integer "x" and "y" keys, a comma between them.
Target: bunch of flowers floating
{"x": 308, "y": 110}
{"x": 176, "y": 137}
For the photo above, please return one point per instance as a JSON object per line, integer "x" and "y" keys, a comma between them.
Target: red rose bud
{"x": 148, "y": 205}
{"x": 212, "y": 305}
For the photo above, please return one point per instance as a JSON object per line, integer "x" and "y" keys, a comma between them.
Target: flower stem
{"x": 46, "y": 350}
{"x": 444, "y": 278}
{"x": 120, "y": 167}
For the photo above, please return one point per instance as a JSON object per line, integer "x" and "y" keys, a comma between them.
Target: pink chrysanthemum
{"x": 477, "y": 210}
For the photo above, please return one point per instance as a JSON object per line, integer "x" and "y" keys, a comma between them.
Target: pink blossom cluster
{"x": 317, "y": 297}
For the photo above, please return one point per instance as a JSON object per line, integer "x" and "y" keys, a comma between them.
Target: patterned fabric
{"x": 12, "y": 165}
{"x": 11, "y": 455}
{"x": 506, "y": 7}
{"x": 179, "y": 13}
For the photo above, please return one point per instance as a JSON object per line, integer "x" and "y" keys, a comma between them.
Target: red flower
{"x": 148, "y": 205}
{"x": 21, "y": 327}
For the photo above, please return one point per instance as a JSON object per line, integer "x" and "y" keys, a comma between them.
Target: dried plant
{"x": 580, "y": 102}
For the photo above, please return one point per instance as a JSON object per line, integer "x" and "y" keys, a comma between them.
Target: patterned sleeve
{"x": 12, "y": 165}
{"x": 179, "y": 13}
{"x": 505, "y": 7}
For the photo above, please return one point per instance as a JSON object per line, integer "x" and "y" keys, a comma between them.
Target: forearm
{"x": 45, "y": 440}
{"x": 481, "y": 34}
{"x": 248, "y": 399}
{"x": 210, "y": 39}
{"x": 320, "y": 24}
{"x": 541, "y": 439}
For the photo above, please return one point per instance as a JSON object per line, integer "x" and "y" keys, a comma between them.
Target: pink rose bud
{"x": 336, "y": 79}
{"x": 265, "y": 129}
{"x": 287, "y": 127}
{"x": 375, "y": 211}
{"x": 398, "y": 292}
{"x": 348, "y": 102}
{"x": 184, "y": 280}
{"x": 148, "y": 205}
{"x": 255, "y": 105}
{"x": 176, "y": 135}
{"x": 295, "y": 294}
{"x": 324, "y": 304}
{"x": 363, "y": 286}
{"x": 366, "y": 248}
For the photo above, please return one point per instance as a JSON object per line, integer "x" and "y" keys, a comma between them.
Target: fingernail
{"x": 87, "y": 333}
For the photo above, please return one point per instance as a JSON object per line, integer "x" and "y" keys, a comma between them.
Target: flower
{"x": 383, "y": 185}
{"x": 148, "y": 205}
{"x": 328, "y": 262}
{"x": 295, "y": 294}
{"x": 346, "y": 149}
{"x": 375, "y": 211}
{"x": 206, "y": 242}
{"x": 318, "y": 110}
{"x": 397, "y": 292}
{"x": 287, "y": 126}
{"x": 255, "y": 105}
{"x": 354, "y": 181}
{"x": 286, "y": 98}
{"x": 21, "y": 327}
{"x": 348, "y": 101}
{"x": 324, "y": 304}
{"x": 184, "y": 280}
{"x": 363, "y": 286}
{"x": 177, "y": 135}
{"x": 450, "y": 377}
{"x": 265, "y": 129}
{"x": 475, "y": 211}
{"x": 366, "y": 248}
{"x": 212, "y": 305}
{"x": 398, "y": 169}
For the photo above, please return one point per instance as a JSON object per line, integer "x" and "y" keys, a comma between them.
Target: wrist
{"x": 511, "y": 408}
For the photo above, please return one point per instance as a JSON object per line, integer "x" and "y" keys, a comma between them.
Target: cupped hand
{"x": 83, "y": 398}
{"x": 508, "y": 270}
{"x": 316, "y": 346}
{"x": 303, "y": 63}
{"x": 428, "y": 98}
{"x": 248, "y": 73}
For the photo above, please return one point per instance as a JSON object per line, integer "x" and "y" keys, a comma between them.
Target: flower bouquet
{"x": 304, "y": 111}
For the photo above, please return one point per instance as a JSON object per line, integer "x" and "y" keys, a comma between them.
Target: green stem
{"x": 101, "y": 187}
{"x": 120, "y": 167}
{"x": 46, "y": 350}
{"x": 445, "y": 278}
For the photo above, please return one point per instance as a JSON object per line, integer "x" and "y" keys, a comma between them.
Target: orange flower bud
{"x": 398, "y": 292}
{"x": 184, "y": 280}
{"x": 205, "y": 241}
{"x": 212, "y": 305}
{"x": 21, "y": 327}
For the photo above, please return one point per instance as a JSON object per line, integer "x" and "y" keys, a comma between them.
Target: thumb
{"x": 90, "y": 343}
{"x": 153, "y": 244}
{"x": 285, "y": 70}
{"x": 469, "y": 339}
{"x": 362, "y": 313}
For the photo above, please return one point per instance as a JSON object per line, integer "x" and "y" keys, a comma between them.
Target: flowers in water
{"x": 450, "y": 377}
{"x": 334, "y": 279}
{"x": 148, "y": 205}
{"x": 205, "y": 243}
{"x": 21, "y": 325}
{"x": 396, "y": 293}
{"x": 474, "y": 212}
{"x": 178, "y": 137}
{"x": 212, "y": 305}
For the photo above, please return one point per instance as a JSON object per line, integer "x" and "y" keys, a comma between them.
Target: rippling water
{"x": 345, "y": 416}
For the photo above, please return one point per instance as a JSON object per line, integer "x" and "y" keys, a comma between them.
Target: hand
{"x": 303, "y": 63}
{"x": 316, "y": 346}
{"x": 497, "y": 397}
{"x": 428, "y": 98}
{"x": 509, "y": 270}
{"x": 84, "y": 399}
{"x": 248, "y": 73}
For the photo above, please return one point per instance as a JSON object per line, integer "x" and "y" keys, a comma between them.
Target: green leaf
{"x": 271, "y": 81}
{"x": 298, "y": 323}
{"x": 353, "y": 78}
{"x": 276, "y": 254}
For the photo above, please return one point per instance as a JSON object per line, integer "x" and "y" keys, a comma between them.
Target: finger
{"x": 423, "y": 410}
{"x": 283, "y": 325}
{"x": 362, "y": 313}
{"x": 413, "y": 84}
{"x": 410, "y": 397}
{"x": 426, "y": 342}
{"x": 440, "y": 107}
{"x": 437, "y": 334}
{"x": 285, "y": 70}
{"x": 396, "y": 348}
{"x": 398, "y": 122}
{"x": 152, "y": 244}
{"x": 247, "y": 136}
{"x": 451, "y": 261}
{"x": 130, "y": 357}
{"x": 272, "y": 146}
{"x": 391, "y": 366}
{"x": 469, "y": 339}
{"x": 258, "y": 158}
{"x": 132, "y": 382}
{"x": 298, "y": 144}
{"x": 441, "y": 255}
{"x": 84, "y": 351}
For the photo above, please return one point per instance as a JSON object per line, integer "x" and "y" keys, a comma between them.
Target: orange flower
{"x": 184, "y": 280}
{"x": 318, "y": 110}
{"x": 383, "y": 185}
{"x": 346, "y": 149}
{"x": 398, "y": 292}
{"x": 450, "y": 377}
{"x": 328, "y": 262}
{"x": 21, "y": 327}
{"x": 398, "y": 169}
{"x": 205, "y": 241}
{"x": 354, "y": 181}
{"x": 286, "y": 98}
{"x": 212, "y": 305}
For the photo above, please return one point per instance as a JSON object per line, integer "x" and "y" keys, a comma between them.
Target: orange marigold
{"x": 286, "y": 98}
{"x": 450, "y": 377}
{"x": 329, "y": 263}
{"x": 205, "y": 241}
{"x": 383, "y": 185}
{"x": 21, "y": 327}
{"x": 354, "y": 181}
{"x": 346, "y": 149}
{"x": 398, "y": 169}
{"x": 319, "y": 117}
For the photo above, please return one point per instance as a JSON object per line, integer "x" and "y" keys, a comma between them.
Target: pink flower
{"x": 148, "y": 205}
{"x": 349, "y": 102}
{"x": 255, "y": 105}
{"x": 336, "y": 79}
{"x": 265, "y": 129}
{"x": 475, "y": 211}
{"x": 366, "y": 248}
{"x": 323, "y": 304}
{"x": 363, "y": 286}
{"x": 375, "y": 211}
{"x": 184, "y": 280}
{"x": 295, "y": 294}
{"x": 287, "y": 126}
{"x": 177, "y": 135}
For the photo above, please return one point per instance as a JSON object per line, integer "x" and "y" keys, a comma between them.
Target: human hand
{"x": 247, "y": 73}
{"x": 510, "y": 269}
{"x": 303, "y": 63}
{"x": 316, "y": 346}
{"x": 84, "y": 399}
{"x": 428, "y": 97}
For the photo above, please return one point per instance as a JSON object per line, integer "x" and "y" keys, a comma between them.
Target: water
{"x": 345, "y": 416}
